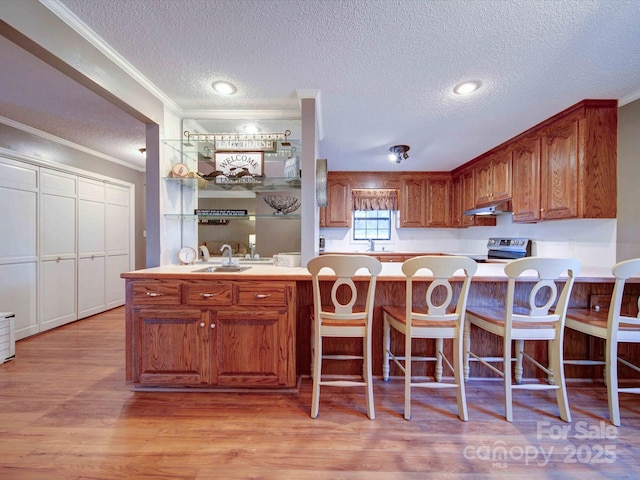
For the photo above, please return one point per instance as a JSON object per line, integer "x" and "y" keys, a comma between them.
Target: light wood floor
{"x": 66, "y": 413}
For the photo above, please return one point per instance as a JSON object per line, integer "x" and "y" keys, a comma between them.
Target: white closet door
{"x": 118, "y": 243}
{"x": 18, "y": 244}
{"x": 91, "y": 247}
{"x": 58, "y": 252}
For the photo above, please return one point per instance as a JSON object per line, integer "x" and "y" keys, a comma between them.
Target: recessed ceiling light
{"x": 465, "y": 88}
{"x": 251, "y": 128}
{"x": 224, "y": 88}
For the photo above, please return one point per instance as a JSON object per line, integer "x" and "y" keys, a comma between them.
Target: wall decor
{"x": 238, "y": 167}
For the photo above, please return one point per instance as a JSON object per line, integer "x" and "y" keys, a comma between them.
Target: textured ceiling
{"x": 385, "y": 69}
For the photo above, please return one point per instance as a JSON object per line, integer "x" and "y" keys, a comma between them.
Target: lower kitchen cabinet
{"x": 171, "y": 347}
{"x": 211, "y": 333}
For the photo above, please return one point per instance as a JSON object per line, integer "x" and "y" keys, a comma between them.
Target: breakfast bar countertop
{"x": 487, "y": 272}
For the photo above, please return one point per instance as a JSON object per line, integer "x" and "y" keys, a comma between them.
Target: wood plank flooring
{"x": 66, "y": 413}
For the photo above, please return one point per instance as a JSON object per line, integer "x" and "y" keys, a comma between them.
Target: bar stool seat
{"x": 440, "y": 319}
{"x": 335, "y": 314}
{"x": 614, "y": 327}
{"x": 528, "y": 317}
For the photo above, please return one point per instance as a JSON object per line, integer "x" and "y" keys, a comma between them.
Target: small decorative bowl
{"x": 282, "y": 205}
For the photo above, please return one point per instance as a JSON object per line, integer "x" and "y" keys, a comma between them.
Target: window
{"x": 372, "y": 225}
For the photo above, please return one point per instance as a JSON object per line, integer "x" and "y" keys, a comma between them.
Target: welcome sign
{"x": 238, "y": 167}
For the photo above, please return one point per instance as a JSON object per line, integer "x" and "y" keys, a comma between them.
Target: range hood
{"x": 496, "y": 209}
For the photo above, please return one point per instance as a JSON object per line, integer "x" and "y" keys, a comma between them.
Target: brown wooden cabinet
{"x": 412, "y": 203}
{"x": 559, "y": 186}
{"x": 492, "y": 179}
{"x": 455, "y": 211}
{"x": 574, "y": 154}
{"x": 526, "y": 180}
{"x": 437, "y": 202}
{"x": 578, "y": 165}
{"x": 337, "y": 213}
{"x": 219, "y": 333}
{"x": 424, "y": 201}
{"x": 468, "y": 199}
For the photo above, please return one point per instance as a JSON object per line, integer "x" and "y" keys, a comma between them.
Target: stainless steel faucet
{"x": 229, "y": 252}
{"x": 372, "y": 245}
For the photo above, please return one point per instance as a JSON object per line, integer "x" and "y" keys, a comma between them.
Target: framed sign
{"x": 265, "y": 145}
{"x": 239, "y": 167}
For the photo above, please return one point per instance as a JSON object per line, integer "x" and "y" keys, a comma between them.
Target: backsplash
{"x": 592, "y": 241}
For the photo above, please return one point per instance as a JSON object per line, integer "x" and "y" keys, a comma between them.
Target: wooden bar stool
{"x": 437, "y": 321}
{"x": 528, "y": 319}
{"x": 614, "y": 327}
{"x": 339, "y": 316}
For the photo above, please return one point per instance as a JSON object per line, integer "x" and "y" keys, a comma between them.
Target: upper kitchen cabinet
{"x": 337, "y": 213}
{"x": 438, "y": 188}
{"x": 578, "y": 162}
{"x": 492, "y": 179}
{"x": 526, "y": 180}
{"x": 424, "y": 201}
{"x": 468, "y": 199}
{"x": 413, "y": 196}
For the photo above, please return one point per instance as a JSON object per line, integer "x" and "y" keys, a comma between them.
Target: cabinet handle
{"x": 208, "y": 295}
{"x": 262, "y": 295}
{"x": 155, "y": 294}
{"x": 213, "y": 325}
{"x": 58, "y": 259}
{"x": 92, "y": 257}
{"x": 202, "y": 324}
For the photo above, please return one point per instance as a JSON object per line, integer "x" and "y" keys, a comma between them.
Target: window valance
{"x": 374, "y": 199}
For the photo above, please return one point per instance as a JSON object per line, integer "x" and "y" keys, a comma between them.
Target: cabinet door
{"x": 501, "y": 176}
{"x": 482, "y": 183}
{"x": 172, "y": 346}
{"x": 559, "y": 169}
{"x": 437, "y": 204}
{"x": 337, "y": 213}
{"x": 526, "y": 181}
{"x": 249, "y": 346}
{"x": 412, "y": 209}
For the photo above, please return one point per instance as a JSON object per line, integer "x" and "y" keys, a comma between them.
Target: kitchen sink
{"x": 223, "y": 268}
{"x": 259, "y": 261}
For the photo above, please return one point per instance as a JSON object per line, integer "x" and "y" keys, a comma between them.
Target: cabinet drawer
{"x": 157, "y": 292}
{"x": 209, "y": 293}
{"x": 262, "y": 294}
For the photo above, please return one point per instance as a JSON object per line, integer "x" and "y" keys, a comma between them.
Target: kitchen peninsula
{"x": 251, "y": 329}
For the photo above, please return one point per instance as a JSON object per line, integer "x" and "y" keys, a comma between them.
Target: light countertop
{"x": 487, "y": 272}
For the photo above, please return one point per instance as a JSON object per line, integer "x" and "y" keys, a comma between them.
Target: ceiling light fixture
{"x": 251, "y": 128}
{"x": 224, "y": 88}
{"x": 465, "y": 88}
{"x": 399, "y": 153}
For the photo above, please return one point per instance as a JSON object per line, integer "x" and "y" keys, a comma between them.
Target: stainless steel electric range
{"x": 502, "y": 250}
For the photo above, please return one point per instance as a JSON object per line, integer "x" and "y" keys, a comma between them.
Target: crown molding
{"x": 68, "y": 17}
{"x": 242, "y": 114}
{"x": 632, "y": 97}
{"x": 67, "y": 143}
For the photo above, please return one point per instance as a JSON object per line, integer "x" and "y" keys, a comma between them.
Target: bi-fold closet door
{"x": 65, "y": 240}
{"x": 19, "y": 244}
{"x": 91, "y": 247}
{"x": 58, "y": 248}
